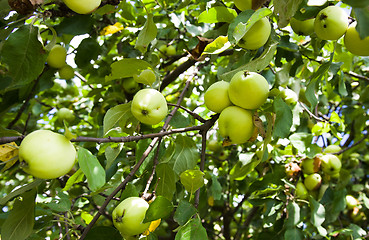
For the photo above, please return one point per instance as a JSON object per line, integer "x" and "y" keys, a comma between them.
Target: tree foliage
{"x": 318, "y": 97}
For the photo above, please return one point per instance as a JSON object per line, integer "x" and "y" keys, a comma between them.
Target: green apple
{"x": 248, "y": 90}
{"x": 351, "y": 202}
{"x": 310, "y": 165}
{"x": 257, "y": 35}
{"x": 171, "y": 50}
{"x": 243, "y": 5}
{"x": 354, "y": 43}
{"x": 331, "y": 164}
{"x": 302, "y": 27}
{"x": 236, "y": 125}
{"x": 333, "y": 149}
{"x": 149, "y": 106}
{"x": 147, "y": 77}
{"x": 83, "y": 6}
{"x": 214, "y": 146}
{"x": 57, "y": 56}
{"x": 301, "y": 191}
{"x": 130, "y": 85}
{"x": 162, "y": 50}
{"x": 45, "y": 154}
{"x": 313, "y": 181}
{"x": 66, "y": 72}
{"x": 331, "y": 23}
{"x": 65, "y": 114}
{"x": 128, "y": 216}
{"x": 216, "y": 96}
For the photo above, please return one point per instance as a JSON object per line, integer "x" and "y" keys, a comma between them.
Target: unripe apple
{"x": 149, "y": 106}
{"x": 248, "y": 90}
{"x": 65, "y": 114}
{"x": 333, "y": 149}
{"x": 354, "y": 43}
{"x": 162, "y": 50}
{"x": 304, "y": 27}
{"x": 83, "y": 6}
{"x": 171, "y": 50}
{"x": 66, "y": 72}
{"x": 57, "y": 56}
{"x": 243, "y": 5}
{"x": 351, "y": 202}
{"x": 147, "y": 77}
{"x": 331, "y": 23}
{"x": 313, "y": 181}
{"x": 45, "y": 154}
{"x": 236, "y": 125}
{"x": 310, "y": 165}
{"x": 216, "y": 96}
{"x": 130, "y": 85}
{"x": 301, "y": 191}
{"x": 128, "y": 216}
{"x": 331, "y": 164}
{"x": 257, "y": 35}
{"x": 214, "y": 146}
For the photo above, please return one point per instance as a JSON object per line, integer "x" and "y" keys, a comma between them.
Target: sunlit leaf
{"x": 217, "y": 14}
{"x": 147, "y": 34}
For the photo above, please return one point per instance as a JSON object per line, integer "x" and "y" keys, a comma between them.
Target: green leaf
{"x": 215, "y": 188}
{"x": 285, "y": 9}
{"x": 192, "y": 230}
{"x": 160, "y": 208}
{"x": 283, "y": 121}
{"x": 76, "y": 25}
{"x": 103, "y": 232}
{"x": 20, "y": 190}
{"x": 60, "y": 204}
{"x": 192, "y": 180}
{"x": 25, "y": 56}
{"x": 293, "y": 233}
{"x": 92, "y": 168}
{"x": 294, "y": 217}
{"x": 243, "y": 167}
{"x": 147, "y": 34}
{"x": 184, "y": 212}
{"x": 303, "y": 143}
{"x": 166, "y": 180}
{"x": 243, "y": 23}
{"x": 127, "y": 67}
{"x": 217, "y": 46}
{"x": 317, "y": 212}
{"x": 75, "y": 178}
{"x": 120, "y": 115}
{"x": 19, "y": 224}
{"x": 182, "y": 155}
{"x": 217, "y": 14}
{"x": 356, "y": 3}
{"x": 89, "y": 49}
{"x": 112, "y": 153}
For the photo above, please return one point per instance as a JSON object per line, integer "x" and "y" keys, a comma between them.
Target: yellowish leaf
{"x": 111, "y": 29}
{"x": 152, "y": 227}
{"x": 8, "y": 155}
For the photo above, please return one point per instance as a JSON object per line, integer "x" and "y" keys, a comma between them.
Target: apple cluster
{"x": 331, "y": 23}
{"x": 57, "y": 59}
{"x": 235, "y": 101}
{"x": 322, "y": 168}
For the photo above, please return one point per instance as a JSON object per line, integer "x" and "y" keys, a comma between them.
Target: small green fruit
{"x": 216, "y": 96}
{"x": 313, "y": 181}
{"x": 305, "y": 27}
{"x": 301, "y": 191}
{"x": 331, "y": 164}
{"x": 66, "y": 72}
{"x": 257, "y": 35}
{"x": 130, "y": 85}
{"x": 65, "y": 114}
{"x": 310, "y": 165}
{"x": 331, "y": 23}
{"x": 57, "y": 56}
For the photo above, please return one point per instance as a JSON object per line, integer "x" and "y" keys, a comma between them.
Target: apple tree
{"x": 192, "y": 119}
